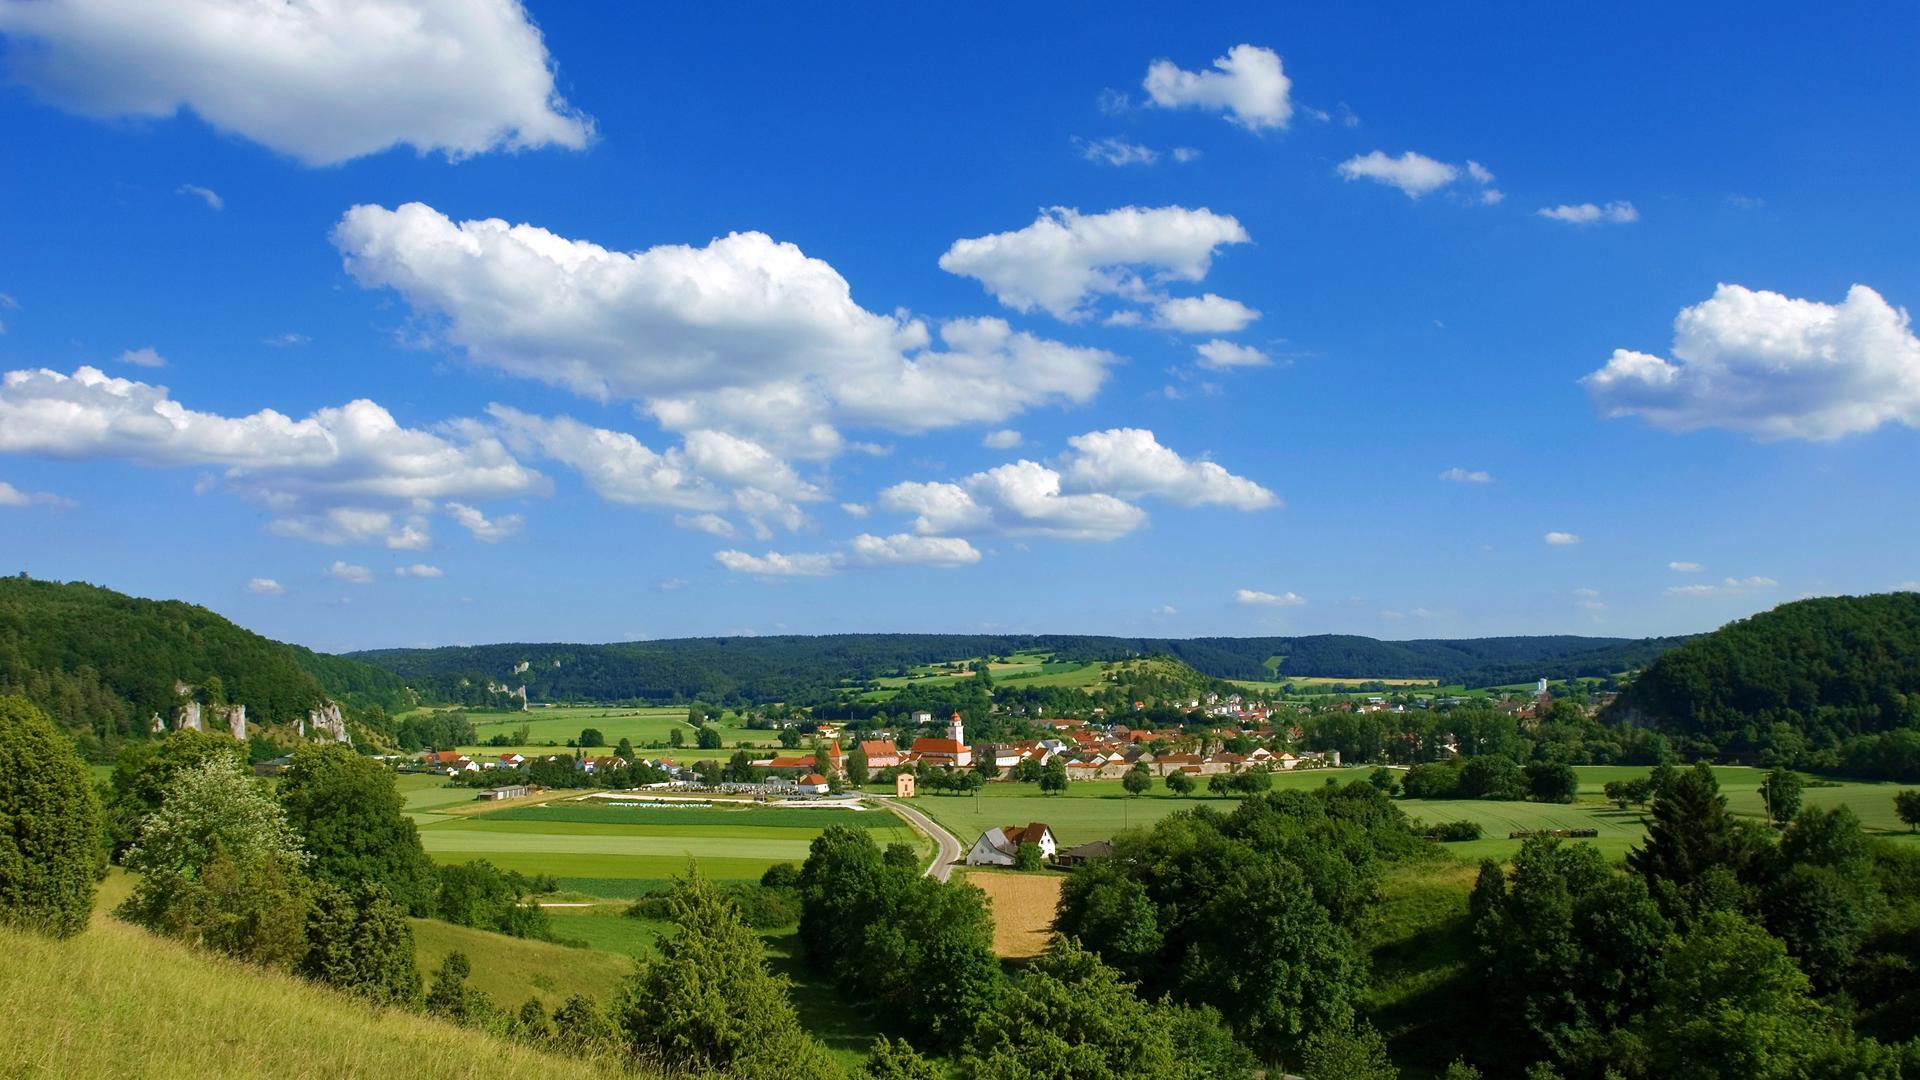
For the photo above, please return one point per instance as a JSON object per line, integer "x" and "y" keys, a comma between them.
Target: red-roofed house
{"x": 951, "y": 752}
{"x": 814, "y": 784}
{"x": 881, "y": 753}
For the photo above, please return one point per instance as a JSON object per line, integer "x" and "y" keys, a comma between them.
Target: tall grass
{"x": 116, "y": 1001}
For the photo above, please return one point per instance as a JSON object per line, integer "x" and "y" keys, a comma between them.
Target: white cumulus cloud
{"x": 1002, "y": 439}
{"x": 321, "y": 80}
{"x": 906, "y": 549}
{"x": 1065, "y": 258}
{"x": 1221, "y": 355}
{"x": 483, "y": 528}
{"x": 1130, "y": 462}
{"x": 1773, "y": 367}
{"x": 13, "y": 496}
{"x": 1415, "y": 174}
{"x": 1256, "y": 598}
{"x": 348, "y": 572}
{"x": 1208, "y": 314}
{"x": 145, "y": 356}
{"x": 1613, "y": 213}
{"x": 264, "y": 586}
{"x": 1561, "y": 539}
{"x": 1458, "y": 475}
{"x": 418, "y": 570}
{"x": 774, "y": 565}
{"x": 1248, "y": 83}
{"x": 1116, "y": 150}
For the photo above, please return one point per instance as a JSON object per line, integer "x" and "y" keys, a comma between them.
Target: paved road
{"x": 951, "y": 851}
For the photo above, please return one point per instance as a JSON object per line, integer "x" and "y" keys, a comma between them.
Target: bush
{"x": 1449, "y": 831}
{"x": 1029, "y": 857}
{"x": 49, "y": 825}
{"x": 362, "y": 942}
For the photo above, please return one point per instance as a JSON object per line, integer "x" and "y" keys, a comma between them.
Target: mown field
{"x": 551, "y": 727}
{"x": 1095, "y": 810}
{"x": 598, "y": 849}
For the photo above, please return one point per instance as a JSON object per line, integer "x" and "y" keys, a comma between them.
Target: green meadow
{"x": 597, "y": 849}
{"x": 1097, "y": 809}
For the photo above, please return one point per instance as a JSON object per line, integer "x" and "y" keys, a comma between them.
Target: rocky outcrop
{"x": 520, "y": 668}
{"x": 236, "y": 718}
{"x": 186, "y": 716}
{"x": 159, "y": 725}
{"x": 326, "y": 723}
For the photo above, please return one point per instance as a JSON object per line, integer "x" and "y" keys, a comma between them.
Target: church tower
{"x": 957, "y": 731}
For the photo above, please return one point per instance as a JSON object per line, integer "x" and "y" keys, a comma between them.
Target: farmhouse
{"x": 999, "y": 847}
{"x": 814, "y": 784}
{"x": 1074, "y": 856}
{"x": 881, "y": 753}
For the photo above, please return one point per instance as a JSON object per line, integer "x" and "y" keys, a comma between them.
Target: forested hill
{"x": 807, "y": 670}
{"x": 101, "y": 663}
{"x": 1829, "y": 681}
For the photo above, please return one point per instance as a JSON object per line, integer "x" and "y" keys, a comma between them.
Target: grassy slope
{"x": 511, "y": 969}
{"x": 119, "y": 1002}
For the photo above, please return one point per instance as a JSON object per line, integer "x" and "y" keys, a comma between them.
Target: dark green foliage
{"x": 1567, "y": 948}
{"x": 896, "y": 1059}
{"x": 530, "y": 1024}
{"x": 918, "y": 949}
{"x": 1552, "y": 781}
{"x": 49, "y": 825}
{"x": 353, "y": 820}
{"x": 1694, "y": 851}
{"x": 1625, "y": 793}
{"x": 1385, "y": 779}
{"x": 1179, "y": 783}
{"x": 1053, "y": 779}
{"x": 1494, "y": 776}
{"x": 1800, "y": 682}
{"x": 811, "y": 670}
{"x": 480, "y": 895}
{"x": 100, "y": 664}
{"x": 1347, "y": 1054}
{"x": 708, "y": 1000}
{"x": 1028, "y": 857}
{"x": 591, "y": 738}
{"x": 580, "y": 1025}
{"x": 142, "y": 771}
{"x": 361, "y": 941}
{"x": 1450, "y": 831}
{"x": 783, "y": 875}
{"x": 1251, "y": 912}
{"x": 857, "y": 767}
{"x": 1907, "y": 805}
{"x": 1069, "y": 1015}
{"x": 450, "y": 998}
{"x": 1782, "y": 791}
{"x": 1137, "y": 781}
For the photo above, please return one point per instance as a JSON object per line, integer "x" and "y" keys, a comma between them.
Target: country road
{"x": 951, "y": 850}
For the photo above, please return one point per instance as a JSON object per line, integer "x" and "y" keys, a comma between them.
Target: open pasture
{"x": 606, "y": 850}
{"x": 1097, "y": 809}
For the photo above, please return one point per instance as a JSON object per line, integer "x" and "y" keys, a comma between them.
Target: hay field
{"x": 1023, "y": 908}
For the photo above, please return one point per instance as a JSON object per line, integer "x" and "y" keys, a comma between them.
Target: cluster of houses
{"x": 1087, "y": 752}
{"x": 1001, "y": 847}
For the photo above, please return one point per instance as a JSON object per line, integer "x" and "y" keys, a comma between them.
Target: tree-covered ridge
{"x": 101, "y": 663}
{"x": 810, "y": 670}
{"x": 1808, "y": 679}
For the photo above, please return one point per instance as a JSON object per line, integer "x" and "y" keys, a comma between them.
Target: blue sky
{"x": 745, "y": 319}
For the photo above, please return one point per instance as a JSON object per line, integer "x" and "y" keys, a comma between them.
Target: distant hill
{"x": 1807, "y": 681}
{"x": 102, "y": 663}
{"x": 807, "y": 670}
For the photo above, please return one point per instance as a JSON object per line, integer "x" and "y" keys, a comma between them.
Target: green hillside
{"x": 116, "y": 1002}
{"x": 1830, "y": 681}
{"x": 101, "y": 663}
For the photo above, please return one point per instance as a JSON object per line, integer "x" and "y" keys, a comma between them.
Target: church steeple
{"x": 956, "y": 730}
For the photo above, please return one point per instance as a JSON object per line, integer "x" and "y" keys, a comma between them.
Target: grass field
{"x": 552, "y": 727}
{"x": 512, "y": 969}
{"x": 603, "y": 850}
{"x": 1023, "y": 908}
{"x": 1095, "y": 810}
{"x": 118, "y": 1002}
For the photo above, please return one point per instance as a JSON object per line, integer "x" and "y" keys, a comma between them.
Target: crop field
{"x": 1023, "y": 908}
{"x": 1095, "y": 810}
{"x": 595, "y": 850}
{"x": 552, "y": 727}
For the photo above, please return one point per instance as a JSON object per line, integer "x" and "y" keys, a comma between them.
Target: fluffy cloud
{"x": 418, "y": 570}
{"x": 348, "y": 572}
{"x": 321, "y": 81}
{"x": 1773, "y": 367}
{"x": 1022, "y": 499}
{"x": 1256, "y": 598}
{"x": 1685, "y": 567}
{"x": 1130, "y": 462}
{"x": 13, "y": 496}
{"x": 1065, "y": 258}
{"x": 773, "y": 564}
{"x": 327, "y": 474}
{"x": 1613, "y": 213}
{"x": 483, "y": 528}
{"x": 1467, "y": 476}
{"x": 745, "y": 334}
{"x": 1561, "y": 539}
{"x": 711, "y": 524}
{"x": 1208, "y": 314}
{"x": 1221, "y": 355}
{"x": 1002, "y": 439}
{"x": 146, "y": 356}
{"x": 264, "y": 586}
{"x": 1415, "y": 174}
{"x": 905, "y": 549}
{"x": 1248, "y": 83}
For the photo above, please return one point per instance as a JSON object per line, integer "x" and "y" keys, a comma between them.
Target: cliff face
{"x": 326, "y": 723}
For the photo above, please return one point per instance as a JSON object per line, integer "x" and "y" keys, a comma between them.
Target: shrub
{"x": 49, "y": 825}
{"x": 1450, "y": 831}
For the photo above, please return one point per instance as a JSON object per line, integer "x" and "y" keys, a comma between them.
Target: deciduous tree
{"x": 49, "y": 825}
